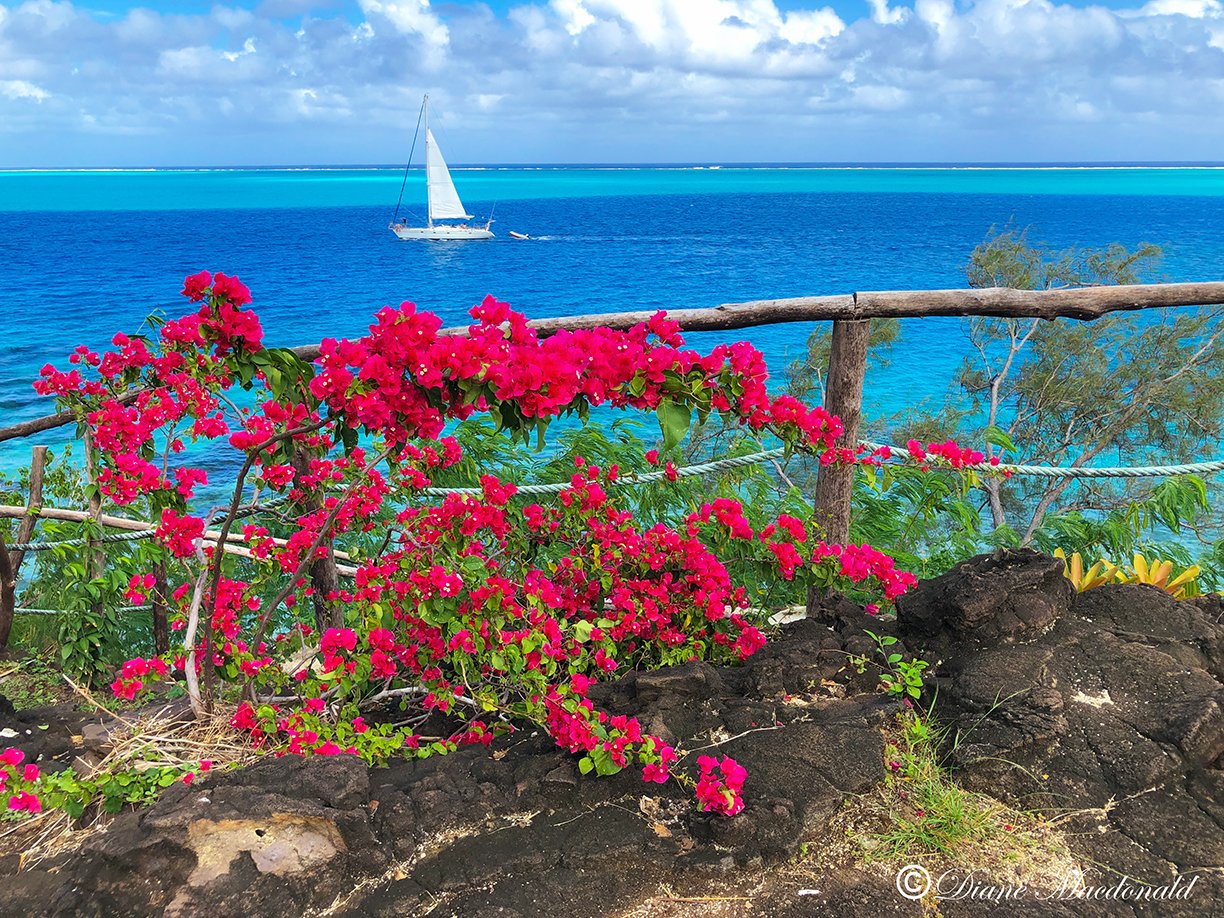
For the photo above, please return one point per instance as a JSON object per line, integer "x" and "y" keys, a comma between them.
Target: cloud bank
{"x": 284, "y": 81}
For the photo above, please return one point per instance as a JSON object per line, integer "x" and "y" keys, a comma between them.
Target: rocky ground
{"x": 1103, "y": 710}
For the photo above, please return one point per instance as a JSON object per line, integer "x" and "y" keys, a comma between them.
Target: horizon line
{"x": 689, "y": 165}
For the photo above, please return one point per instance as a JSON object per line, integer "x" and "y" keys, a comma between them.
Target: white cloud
{"x": 21, "y": 89}
{"x": 632, "y": 79}
{"x": 209, "y": 65}
{"x": 574, "y": 15}
{"x": 54, "y": 15}
{"x": 248, "y": 47}
{"x": 884, "y": 14}
{"x": 813, "y": 27}
{"x": 411, "y": 16}
{"x": 698, "y": 34}
{"x": 1195, "y": 9}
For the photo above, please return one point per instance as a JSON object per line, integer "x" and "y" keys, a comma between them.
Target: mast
{"x": 428, "y": 144}
{"x": 408, "y": 165}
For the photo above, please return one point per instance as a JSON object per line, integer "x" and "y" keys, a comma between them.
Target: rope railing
{"x": 24, "y": 610}
{"x": 701, "y": 468}
{"x": 1084, "y": 471}
{"x": 706, "y": 468}
{"x": 133, "y": 536}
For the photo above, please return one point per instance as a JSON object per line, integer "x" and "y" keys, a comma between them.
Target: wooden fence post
{"x": 8, "y": 594}
{"x": 844, "y": 398}
{"x": 38, "y": 467}
{"x": 10, "y": 563}
{"x": 95, "y": 554}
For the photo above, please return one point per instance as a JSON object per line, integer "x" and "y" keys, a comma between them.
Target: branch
{"x": 309, "y": 553}
{"x": 240, "y": 485}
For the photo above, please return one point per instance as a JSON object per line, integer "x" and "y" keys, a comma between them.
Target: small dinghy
{"x": 519, "y": 235}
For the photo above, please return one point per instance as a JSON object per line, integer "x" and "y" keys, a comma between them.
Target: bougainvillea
{"x": 720, "y": 785}
{"x": 17, "y": 782}
{"x": 479, "y": 611}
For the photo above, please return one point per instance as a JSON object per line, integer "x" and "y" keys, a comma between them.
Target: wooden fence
{"x": 850, "y": 314}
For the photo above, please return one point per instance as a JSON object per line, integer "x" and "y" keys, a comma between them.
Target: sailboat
{"x": 444, "y": 203}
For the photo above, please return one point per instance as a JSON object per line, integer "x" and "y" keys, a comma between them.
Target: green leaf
{"x": 585, "y": 765}
{"x": 674, "y": 421}
{"x": 348, "y": 436}
{"x": 603, "y": 761}
{"x": 996, "y": 436}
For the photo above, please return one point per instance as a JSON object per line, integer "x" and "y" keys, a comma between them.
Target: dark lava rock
{"x": 1112, "y": 716}
{"x": 1103, "y": 709}
{"x": 1006, "y": 596}
{"x": 513, "y": 830}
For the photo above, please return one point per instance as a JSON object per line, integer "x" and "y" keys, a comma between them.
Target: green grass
{"x": 920, "y": 814}
{"x": 32, "y": 683}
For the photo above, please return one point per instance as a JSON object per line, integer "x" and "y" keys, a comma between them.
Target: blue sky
{"x": 108, "y": 83}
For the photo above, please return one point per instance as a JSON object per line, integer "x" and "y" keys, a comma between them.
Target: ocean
{"x": 86, "y": 254}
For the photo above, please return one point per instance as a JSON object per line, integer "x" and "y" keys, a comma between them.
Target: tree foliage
{"x": 1128, "y": 389}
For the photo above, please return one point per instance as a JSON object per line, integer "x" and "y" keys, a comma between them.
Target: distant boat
{"x": 519, "y": 235}
{"x": 444, "y": 203}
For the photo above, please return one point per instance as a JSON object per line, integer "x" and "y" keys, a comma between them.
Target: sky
{"x": 102, "y": 83}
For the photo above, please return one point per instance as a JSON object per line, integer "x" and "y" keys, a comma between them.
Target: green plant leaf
{"x": 996, "y": 436}
{"x": 674, "y": 422}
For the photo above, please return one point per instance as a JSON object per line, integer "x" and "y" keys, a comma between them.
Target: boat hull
{"x": 441, "y": 232}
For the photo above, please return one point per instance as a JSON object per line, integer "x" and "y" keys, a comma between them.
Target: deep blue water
{"x": 78, "y": 274}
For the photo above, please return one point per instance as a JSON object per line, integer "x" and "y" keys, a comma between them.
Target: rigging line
{"x": 404, "y": 183}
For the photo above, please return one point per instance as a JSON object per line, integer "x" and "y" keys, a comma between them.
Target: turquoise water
{"x": 84, "y": 254}
{"x": 255, "y": 189}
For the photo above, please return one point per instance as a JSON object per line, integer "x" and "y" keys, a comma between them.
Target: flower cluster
{"x": 859, "y": 563}
{"x": 17, "y": 780}
{"x": 129, "y": 681}
{"x": 404, "y": 380}
{"x": 720, "y": 786}
{"x": 173, "y": 391}
{"x": 952, "y": 453}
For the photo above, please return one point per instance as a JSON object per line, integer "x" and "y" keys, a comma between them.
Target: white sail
{"x": 444, "y": 203}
